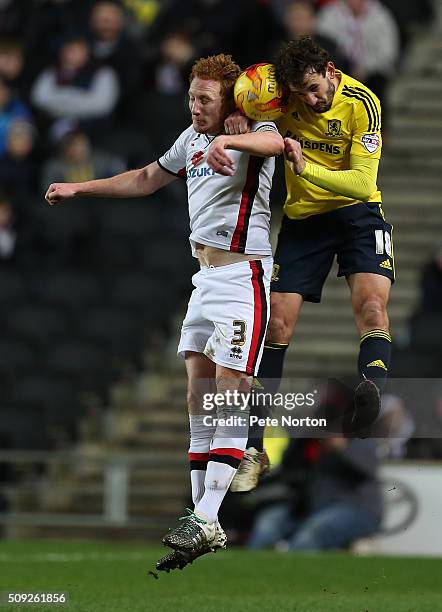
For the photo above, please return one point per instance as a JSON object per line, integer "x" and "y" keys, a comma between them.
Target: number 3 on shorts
{"x": 383, "y": 242}
{"x": 239, "y": 336}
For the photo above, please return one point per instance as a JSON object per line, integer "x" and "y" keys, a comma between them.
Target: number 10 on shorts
{"x": 383, "y": 242}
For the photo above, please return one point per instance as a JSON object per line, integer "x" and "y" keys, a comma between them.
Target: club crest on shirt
{"x": 275, "y": 272}
{"x": 371, "y": 142}
{"x": 334, "y": 128}
{"x": 197, "y": 157}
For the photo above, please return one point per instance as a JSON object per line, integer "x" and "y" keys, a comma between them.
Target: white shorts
{"x": 228, "y": 313}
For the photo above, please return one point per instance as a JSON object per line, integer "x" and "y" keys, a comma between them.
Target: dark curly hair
{"x": 297, "y": 58}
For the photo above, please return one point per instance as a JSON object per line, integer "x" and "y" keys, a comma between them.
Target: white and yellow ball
{"x": 257, "y": 94}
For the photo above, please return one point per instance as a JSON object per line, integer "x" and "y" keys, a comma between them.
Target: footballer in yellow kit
{"x": 333, "y": 205}
{"x": 333, "y": 209}
{"x": 352, "y": 127}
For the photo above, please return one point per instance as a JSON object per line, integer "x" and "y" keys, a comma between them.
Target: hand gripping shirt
{"x": 227, "y": 212}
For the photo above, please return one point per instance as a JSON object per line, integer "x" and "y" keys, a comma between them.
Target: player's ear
{"x": 331, "y": 70}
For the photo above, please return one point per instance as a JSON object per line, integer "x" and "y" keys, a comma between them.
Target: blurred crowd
{"x": 88, "y": 88}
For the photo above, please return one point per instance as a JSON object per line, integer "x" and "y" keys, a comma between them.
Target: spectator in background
{"x": 165, "y": 89}
{"x": 8, "y": 234}
{"x": 11, "y": 109}
{"x": 247, "y": 29}
{"x": 76, "y": 160}
{"x": 111, "y": 45}
{"x": 12, "y": 62}
{"x": 177, "y": 53}
{"x": 300, "y": 20}
{"x": 333, "y": 496}
{"x": 18, "y": 168}
{"x": 394, "y": 426}
{"x": 427, "y": 444}
{"x": 20, "y": 241}
{"x": 368, "y": 37}
{"x": 76, "y": 87}
{"x": 143, "y": 14}
{"x": 431, "y": 283}
{"x": 46, "y": 24}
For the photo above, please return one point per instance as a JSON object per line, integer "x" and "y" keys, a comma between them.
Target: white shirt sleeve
{"x": 263, "y": 126}
{"x": 174, "y": 160}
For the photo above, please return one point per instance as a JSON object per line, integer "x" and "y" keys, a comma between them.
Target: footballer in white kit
{"x": 223, "y": 332}
{"x": 229, "y": 307}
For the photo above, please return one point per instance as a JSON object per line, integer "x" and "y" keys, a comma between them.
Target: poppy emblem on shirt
{"x": 197, "y": 157}
{"x": 334, "y": 127}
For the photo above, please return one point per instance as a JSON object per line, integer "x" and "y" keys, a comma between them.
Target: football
{"x": 257, "y": 94}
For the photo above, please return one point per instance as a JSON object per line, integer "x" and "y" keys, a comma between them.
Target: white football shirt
{"x": 226, "y": 212}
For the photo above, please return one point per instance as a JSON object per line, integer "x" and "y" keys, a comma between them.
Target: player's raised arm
{"x": 263, "y": 143}
{"x": 358, "y": 182}
{"x": 130, "y": 184}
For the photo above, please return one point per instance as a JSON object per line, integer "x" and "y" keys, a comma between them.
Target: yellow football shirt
{"x": 351, "y": 126}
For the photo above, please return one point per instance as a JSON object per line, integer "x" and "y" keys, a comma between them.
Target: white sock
{"x": 197, "y": 478}
{"x": 200, "y": 439}
{"x": 225, "y": 457}
{"x": 217, "y": 482}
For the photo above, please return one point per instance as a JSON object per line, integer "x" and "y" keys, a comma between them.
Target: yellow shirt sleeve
{"x": 366, "y": 138}
{"x": 358, "y": 183}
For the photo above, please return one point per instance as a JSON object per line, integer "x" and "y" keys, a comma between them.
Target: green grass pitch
{"x": 109, "y": 577}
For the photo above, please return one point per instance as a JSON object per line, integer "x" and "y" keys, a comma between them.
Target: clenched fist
{"x": 58, "y": 192}
{"x": 218, "y": 159}
{"x": 293, "y": 152}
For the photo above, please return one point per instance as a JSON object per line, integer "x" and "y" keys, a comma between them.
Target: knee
{"x": 372, "y": 314}
{"x": 279, "y": 329}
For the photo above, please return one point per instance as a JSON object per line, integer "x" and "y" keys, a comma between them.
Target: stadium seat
{"x": 116, "y": 329}
{"x": 114, "y": 254}
{"x": 140, "y": 291}
{"x": 426, "y": 331}
{"x": 173, "y": 259}
{"x": 38, "y": 323}
{"x": 24, "y": 426}
{"x": 63, "y": 223}
{"x": 62, "y": 233}
{"x": 12, "y": 287}
{"x": 84, "y": 363}
{"x": 16, "y": 356}
{"x": 72, "y": 289}
{"x": 166, "y": 119}
{"x": 129, "y": 218}
{"x": 126, "y": 143}
{"x": 44, "y": 391}
{"x": 415, "y": 363}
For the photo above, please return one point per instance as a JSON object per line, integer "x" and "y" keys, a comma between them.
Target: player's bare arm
{"x": 134, "y": 183}
{"x": 262, "y": 143}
